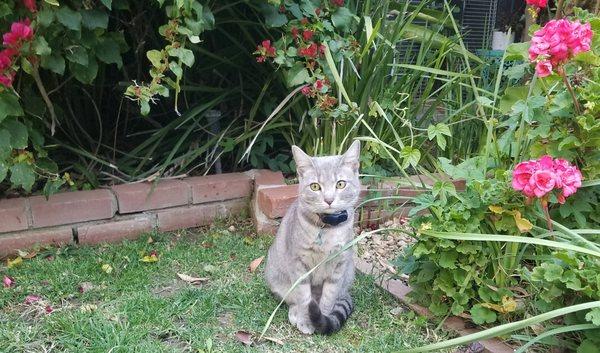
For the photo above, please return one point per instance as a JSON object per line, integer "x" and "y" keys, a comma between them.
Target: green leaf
{"x": 22, "y": 174}
{"x": 5, "y": 148}
{"x": 273, "y": 18}
{"x": 593, "y": 316}
{"x": 85, "y": 74}
{"x": 481, "y": 315}
{"x": 108, "y": 52}
{"x": 45, "y": 17}
{"x": 438, "y": 131}
{"x": 587, "y": 346}
{"x": 186, "y": 55}
{"x": 18, "y": 133}
{"x": 308, "y": 8}
{"x": 410, "y": 156}
{"x": 9, "y": 105}
{"x": 69, "y": 18}
{"x": 41, "y": 46}
{"x": 297, "y": 75}
{"x": 517, "y": 52}
{"x": 93, "y": 19}
{"x": 342, "y": 18}
{"x": 155, "y": 57}
{"x": 176, "y": 69}
{"x": 3, "y": 171}
{"x": 54, "y": 62}
{"x": 107, "y": 3}
{"x": 52, "y": 186}
{"x": 77, "y": 54}
{"x": 448, "y": 259}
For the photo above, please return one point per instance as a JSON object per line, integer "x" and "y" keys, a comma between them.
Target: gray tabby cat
{"x": 319, "y": 223}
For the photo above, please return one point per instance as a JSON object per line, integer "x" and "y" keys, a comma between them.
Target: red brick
{"x": 72, "y": 207}
{"x": 266, "y": 177}
{"x": 198, "y": 215}
{"x": 9, "y": 243}
{"x": 274, "y": 201}
{"x": 149, "y": 196}
{"x": 13, "y": 213}
{"x": 114, "y": 231}
{"x": 219, "y": 187}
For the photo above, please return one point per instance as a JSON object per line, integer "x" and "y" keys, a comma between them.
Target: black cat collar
{"x": 333, "y": 219}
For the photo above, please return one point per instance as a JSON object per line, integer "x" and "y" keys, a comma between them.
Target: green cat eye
{"x": 315, "y": 187}
{"x": 340, "y": 184}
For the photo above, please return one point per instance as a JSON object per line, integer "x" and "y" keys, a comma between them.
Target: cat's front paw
{"x": 305, "y": 327}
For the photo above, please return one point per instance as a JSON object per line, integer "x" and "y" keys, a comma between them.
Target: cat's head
{"x": 328, "y": 184}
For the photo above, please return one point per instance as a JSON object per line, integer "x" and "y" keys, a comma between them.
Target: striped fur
{"x": 328, "y": 324}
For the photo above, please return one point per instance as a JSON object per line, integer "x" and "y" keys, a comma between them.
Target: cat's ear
{"x": 303, "y": 161}
{"x": 352, "y": 156}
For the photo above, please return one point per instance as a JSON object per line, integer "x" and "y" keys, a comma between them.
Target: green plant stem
{"x": 559, "y": 9}
{"x": 40, "y": 85}
{"x": 570, "y": 89}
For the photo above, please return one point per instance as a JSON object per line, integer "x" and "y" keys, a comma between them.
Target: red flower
{"x": 337, "y": 2}
{"x": 319, "y": 85}
{"x": 30, "y": 4}
{"x": 49, "y": 309}
{"x": 307, "y": 34}
{"x": 310, "y": 51}
{"x": 307, "y": 91}
{"x": 294, "y": 32}
{"x": 265, "y": 50}
{"x": 7, "y": 79}
{"x": 304, "y": 21}
{"x": 19, "y": 32}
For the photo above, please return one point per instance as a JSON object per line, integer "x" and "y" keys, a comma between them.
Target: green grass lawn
{"x": 144, "y": 307}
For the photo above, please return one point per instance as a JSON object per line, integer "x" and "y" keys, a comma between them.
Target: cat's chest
{"x": 327, "y": 242}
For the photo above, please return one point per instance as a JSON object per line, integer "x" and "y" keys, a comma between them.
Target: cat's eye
{"x": 315, "y": 187}
{"x": 340, "y": 184}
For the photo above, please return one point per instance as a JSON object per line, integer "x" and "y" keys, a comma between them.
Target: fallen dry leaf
{"x": 231, "y": 229}
{"x": 274, "y": 340}
{"x": 149, "y": 258}
{"x": 49, "y": 309}
{"x": 85, "y": 286}
{"x": 30, "y": 299}
{"x": 150, "y": 240}
{"x": 209, "y": 268}
{"x": 8, "y": 281}
{"x": 107, "y": 268}
{"x": 27, "y": 255}
{"x": 244, "y": 336}
{"x": 88, "y": 308}
{"x": 192, "y": 280}
{"x": 14, "y": 263}
{"x": 255, "y": 263}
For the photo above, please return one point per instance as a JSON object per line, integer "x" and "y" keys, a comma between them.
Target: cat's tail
{"x": 328, "y": 324}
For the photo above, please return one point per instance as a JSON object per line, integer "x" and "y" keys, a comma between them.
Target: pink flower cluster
{"x": 20, "y": 32}
{"x": 557, "y": 42}
{"x": 537, "y": 178}
{"x": 538, "y": 3}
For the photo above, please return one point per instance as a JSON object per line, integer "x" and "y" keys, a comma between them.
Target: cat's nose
{"x": 329, "y": 201}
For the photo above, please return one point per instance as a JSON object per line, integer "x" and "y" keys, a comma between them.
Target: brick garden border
{"x": 122, "y": 211}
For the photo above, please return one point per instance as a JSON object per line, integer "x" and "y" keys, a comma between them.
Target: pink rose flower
{"x": 538, "y": 178}
{"x": 557, "y": 42}
{"x": 542, "y": 182}
{"x": 543, "y": 68}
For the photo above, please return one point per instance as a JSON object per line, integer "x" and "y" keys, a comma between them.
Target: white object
{"x": 501, "y": 40}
